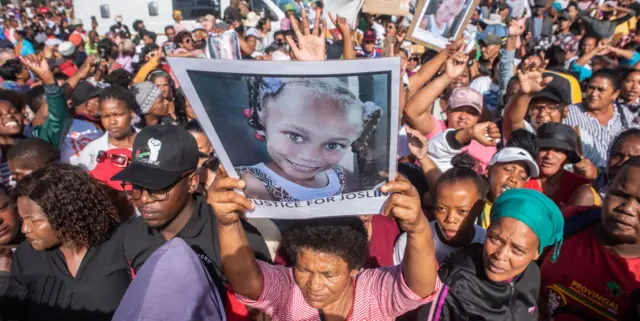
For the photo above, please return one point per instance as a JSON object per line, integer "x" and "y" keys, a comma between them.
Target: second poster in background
{"x": 310, "y": 139}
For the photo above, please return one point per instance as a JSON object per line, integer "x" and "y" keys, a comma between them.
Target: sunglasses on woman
{"x": 119, "y": 160}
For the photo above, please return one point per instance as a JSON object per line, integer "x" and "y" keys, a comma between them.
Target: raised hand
{"x": 227, "y": 204}
{"x": 456, "y": 45}
{"x": 404, "y": 205}
{"x": 340, "y": 23}
{"x": 310, "y": 47}
{"x": 39, "y": 68}
{"x": 533, "y": 81}
{"x": 418, "y": 145}
{"x": 455, "y": 65}
{"x": 517, "y": 27}
{"x": 487, "y": 133}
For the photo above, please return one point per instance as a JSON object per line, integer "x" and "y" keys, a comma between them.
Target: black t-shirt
{"x": 41, "y": 287}
{"x": 200, "y": 232}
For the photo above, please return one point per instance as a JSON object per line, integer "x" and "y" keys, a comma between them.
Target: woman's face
{"x": 116, "y": 118}
{"x": 390, "y": 29}
{"x": 35, "y": 225}
{"x": 165, "y": 86}
{"x": 306, "y": 137}
{"x": 462, "y": 117}
{"x": 322, "y": 277}
{"x": 147, "y": 40}
{"x": 10, "y": 120}
{"x": 9, "y": 224}
{"x": 509, "y": 248}
{"x": 159, "y": 108}
{"x": 17, "y": 35}
{"x": 462, "y": 81}
{"x": 412, "y": 63}
{"x": 621, "y": 209}
{"x": 621, "y": 152}
{"x": 550, "y": 161}
{"x": 600, "y": 93}
{"x": 252, "y": 42}
{"x": 457, "y": 205}
{"x": 187, "y": 43}
{"x": 504, "y": 176}
{"x": 588, "y": 45}
{"x": 631, "y": 87}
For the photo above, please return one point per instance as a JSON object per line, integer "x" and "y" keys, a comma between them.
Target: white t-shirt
{"x": 442, "y": 250}
{"x": 89, "y": 155}
{"x": 80, "y": 134}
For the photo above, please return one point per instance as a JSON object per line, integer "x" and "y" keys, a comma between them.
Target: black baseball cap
{"x": 559, "y": 90}
{"x": 161, "y": 154}
{"x": 562, "y": 137}
{"x": 83, "y": 92}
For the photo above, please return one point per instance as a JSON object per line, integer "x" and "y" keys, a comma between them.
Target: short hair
{"x": 10, "y": 69}
{"x": 556, "y": 56}
{"x": 119, "y": 77}
{"x": 36, "y": 98}
{"x": 60, "y": 76}
{"x": 610, "y": 75}
{"x": 344, "y": 237}
{"x": 166, "y": 28}
{"x": 76, "y": 205}
{"x": 147, "y": 49}
{"x": 151, "y": 35}
{"x": 35, "y": 153}
{"x": 119, "y": 93}
{"x": 526, "y": 140}
{"x": 261, "y": 23}
{"x": 135, "y": 25}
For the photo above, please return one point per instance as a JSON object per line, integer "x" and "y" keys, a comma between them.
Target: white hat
{"x": 252, "y": 19}
{"x": 77, "y": 22}
{"x": 251, "y": 32}
{"x": 197, "y": 26}
{"x": 53, "y": 42}
{"x": 494, "y": 19}
{"x": 66, "y": 49}
{"x": 515, "y": 154}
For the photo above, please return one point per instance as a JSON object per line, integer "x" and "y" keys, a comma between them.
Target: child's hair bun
{"x": 464, "y": 160}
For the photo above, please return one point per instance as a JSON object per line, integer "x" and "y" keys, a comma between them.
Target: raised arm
{"x": 517, "y": 107}
{"x": 238, "y": 261}
{"x": 418, "y": 109}
{"x": 418, "y": 147}
{"x": 419, "y": 262}
{"x": 348, "y": 51}
{"x": 430, "y": 69}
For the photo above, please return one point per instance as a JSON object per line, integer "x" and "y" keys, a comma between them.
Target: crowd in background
{"x": 518, "y": 160}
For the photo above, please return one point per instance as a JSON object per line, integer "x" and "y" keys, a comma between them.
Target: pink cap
{"x": 465, "y": 96}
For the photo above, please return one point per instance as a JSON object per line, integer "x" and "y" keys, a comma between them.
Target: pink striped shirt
{"x": 380, "y": 294}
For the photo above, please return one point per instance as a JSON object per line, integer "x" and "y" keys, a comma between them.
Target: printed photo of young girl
{"x": 308, "y": 141}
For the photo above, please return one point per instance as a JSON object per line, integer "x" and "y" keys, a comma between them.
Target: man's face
{"x": 368, "y": 46}
{"x": 92, "y": 107}
{"x": 588, "y": 45}
{"x": 159, "y": 208}
{"x": 448, "y": 10}
{"x": 621, "y": 207}
{"x": 550, "y": 161}
{"x": 543, "y": 111}
{"x": 600, "y": 94}
{"x": 171, "y": 34}
{"x": 489, "y": 52}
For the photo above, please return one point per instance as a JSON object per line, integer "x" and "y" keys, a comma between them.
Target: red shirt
{"x": 384, "y": 232}
{"x": 588, "y": 281}
{"x": 569, "y": 184}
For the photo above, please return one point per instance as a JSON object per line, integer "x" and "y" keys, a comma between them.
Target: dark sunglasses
{"x": 188, "y": 40}
{"x": 119, "y": 160}
{"x": 416, "y": 59}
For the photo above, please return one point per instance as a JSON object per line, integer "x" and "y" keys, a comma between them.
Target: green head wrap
{"x": 535, "y": 210}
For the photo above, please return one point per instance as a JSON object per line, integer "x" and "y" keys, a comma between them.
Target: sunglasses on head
{"x": 119, "y": 160}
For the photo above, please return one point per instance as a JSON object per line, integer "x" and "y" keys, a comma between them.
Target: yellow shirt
{"x": 485, "y": 217}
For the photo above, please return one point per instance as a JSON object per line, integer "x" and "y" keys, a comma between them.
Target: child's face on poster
{"x": 307, "y": 136}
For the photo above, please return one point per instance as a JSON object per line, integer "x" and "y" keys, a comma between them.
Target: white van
{"x": 157, "y": 14}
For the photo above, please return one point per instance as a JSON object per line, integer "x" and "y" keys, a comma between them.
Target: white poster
{"x": 347, "y": 9}
{"x": 437, "y": 22}
{"x": 311, "y": 139}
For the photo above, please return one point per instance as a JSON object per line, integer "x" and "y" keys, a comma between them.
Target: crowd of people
{"x": 517, "y": 196}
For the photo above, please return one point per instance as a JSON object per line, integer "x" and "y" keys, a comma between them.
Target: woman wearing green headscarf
{"x": 500, "y": 280}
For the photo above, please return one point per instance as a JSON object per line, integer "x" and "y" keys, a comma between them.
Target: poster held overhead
{"x": 387, "y": 7}
{"x": 437, "y": 22}
{"x": 310, "y": 139}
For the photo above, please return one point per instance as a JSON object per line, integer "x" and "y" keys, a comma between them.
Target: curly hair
{"x": 11, "y": 69}
{"x": 344, "y": 237}
{"x": 119, "y": 93}
{"x": 76, "y": 205}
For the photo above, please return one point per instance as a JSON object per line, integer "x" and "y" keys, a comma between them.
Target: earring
{"x": 259, "y": 136}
